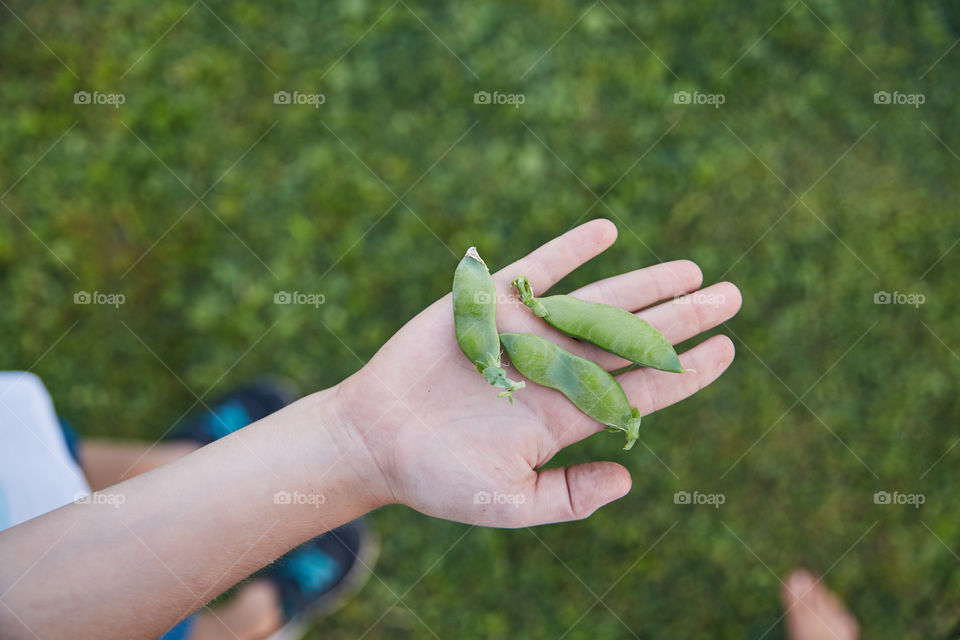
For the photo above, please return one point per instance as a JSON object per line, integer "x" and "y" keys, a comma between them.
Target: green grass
{"x": 304, "y": 199}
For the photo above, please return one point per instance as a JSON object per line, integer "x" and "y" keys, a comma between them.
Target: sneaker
{"x": 321, "y": 575}
{"x": 236, "y": 410}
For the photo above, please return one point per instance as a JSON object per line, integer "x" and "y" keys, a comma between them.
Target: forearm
{"x": 148, "y": 551}
{"x": 109, "y": 462}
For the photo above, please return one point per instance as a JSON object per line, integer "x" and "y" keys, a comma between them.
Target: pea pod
{"x": 475, "y": 320}
{"x": 587, "y": 385}
{"x": 610, "y": 328}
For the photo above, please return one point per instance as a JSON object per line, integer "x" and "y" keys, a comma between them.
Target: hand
{"x": 446, "y": 445}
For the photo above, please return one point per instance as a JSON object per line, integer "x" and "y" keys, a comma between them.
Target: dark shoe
{"x": 236, "y": 410}
{"x": 319, "y": 576}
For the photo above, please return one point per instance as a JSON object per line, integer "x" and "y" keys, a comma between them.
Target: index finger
{"x": 551, "y": 262}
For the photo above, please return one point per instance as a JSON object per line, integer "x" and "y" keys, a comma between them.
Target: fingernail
{"x": 801, "y": 582}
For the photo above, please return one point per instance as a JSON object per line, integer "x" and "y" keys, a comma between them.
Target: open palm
{"x": 449, "y": 447}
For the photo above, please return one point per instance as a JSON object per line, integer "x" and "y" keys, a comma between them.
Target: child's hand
{"x": 417, "y": 425}
{"x": 442, "y": 441}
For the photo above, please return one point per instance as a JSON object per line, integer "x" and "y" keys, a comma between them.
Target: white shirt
{"x": 37, "y": 473}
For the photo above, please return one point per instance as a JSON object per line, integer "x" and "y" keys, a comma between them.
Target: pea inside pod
{"x": 610, "y": 328}
{"x": 475, "y": 321}
{"x": 585, "y": 383}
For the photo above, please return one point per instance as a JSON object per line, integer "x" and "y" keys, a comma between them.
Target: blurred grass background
{"x": 302, "y": 199}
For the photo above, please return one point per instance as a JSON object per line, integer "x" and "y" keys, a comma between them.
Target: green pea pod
{"x": 588, "y": 386}
{"x": 475, "y": 320}
{"x": 610, "y": 328}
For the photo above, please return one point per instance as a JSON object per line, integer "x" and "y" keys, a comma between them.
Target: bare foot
{"x": 813, "y": 613}
{"x": 254, "y": 613}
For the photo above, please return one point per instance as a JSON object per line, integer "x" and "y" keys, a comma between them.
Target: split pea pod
{"x": 475, "y": 320}
{"x": 610, "y": 328}
{"x": 585, "y": 383}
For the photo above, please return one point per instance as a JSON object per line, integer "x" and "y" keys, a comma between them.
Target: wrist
{"x": 339, "y": 453}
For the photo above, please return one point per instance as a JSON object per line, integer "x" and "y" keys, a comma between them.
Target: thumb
{"x": 573, "y": 493}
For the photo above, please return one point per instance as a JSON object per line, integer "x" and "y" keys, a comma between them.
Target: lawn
{"x": 199, "y": 198}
